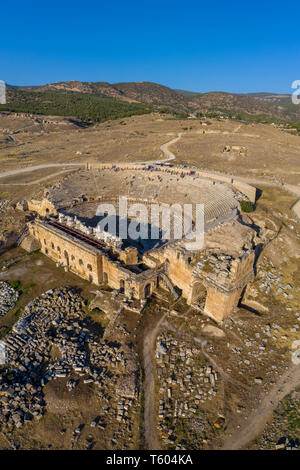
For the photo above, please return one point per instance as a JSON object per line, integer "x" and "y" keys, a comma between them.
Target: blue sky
{"x": 194, "y": 45}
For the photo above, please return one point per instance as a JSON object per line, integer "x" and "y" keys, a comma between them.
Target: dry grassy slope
{"x": 102, "y": 88}
{"x": 153, "y": 93}
{"x": 270, "y": 152}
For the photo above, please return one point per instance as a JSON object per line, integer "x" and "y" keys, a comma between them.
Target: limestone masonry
{"x": 211, "y": 280}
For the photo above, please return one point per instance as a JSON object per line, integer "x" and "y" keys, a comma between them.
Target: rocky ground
{"x": 52, "y": 341}
{"x": 8, "y": 297}
{"x": 283, "y": 430}
{"x": 185, "y": 380}
{"x": 73, "y": 376}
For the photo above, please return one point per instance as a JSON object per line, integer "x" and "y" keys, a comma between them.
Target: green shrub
{"x": 207, "y": 267}
{"x": 15, "y": 284}
{"x": 246, "y": 206}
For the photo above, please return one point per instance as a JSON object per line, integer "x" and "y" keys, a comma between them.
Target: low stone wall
{"x": 247, "y": 189}
{"x": 43, "y": 208}
{"x": 296, "y": 208}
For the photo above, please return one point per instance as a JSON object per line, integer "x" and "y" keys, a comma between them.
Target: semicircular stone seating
{"x": 218, "y": 198}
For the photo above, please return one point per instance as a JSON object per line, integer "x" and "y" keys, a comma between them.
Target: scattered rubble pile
{"x": 4, "y": 205}
{"x": 257, "y": 352}
{"x": 220, "y": 263}
{"x": 185, "y": 379}
{"x": 112, "y": 359}
{"x": 286, "y": 443}
{"x": 123, "y": 408}
{"x": 19, "y": 402}
{"x": 269, "y": 278}
{"x": 282, "y": 430}
{"x": 77, "y": 223}
{"x": 56, "y": 319}
{"x": 8, "y": 297}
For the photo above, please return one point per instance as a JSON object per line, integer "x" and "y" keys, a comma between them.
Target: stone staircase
{"x": 164, "y": 279}
{"x": 22, "y": 235}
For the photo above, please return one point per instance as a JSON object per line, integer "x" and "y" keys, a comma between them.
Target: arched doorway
{"x": 199, "y": 293}
{"x": 167, "y": 265}
{"x": 122, "y": 286}
{"x": 147, "y": 290}
{"x": 66, "y": 256}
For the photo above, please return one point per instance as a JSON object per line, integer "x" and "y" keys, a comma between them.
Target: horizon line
{"x": 148, "y": 81}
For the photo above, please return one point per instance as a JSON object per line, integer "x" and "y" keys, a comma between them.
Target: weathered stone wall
{"x": 43, "y": 208}
{"x": 247, "y": 189}
{"x": 113, "y": 274}
{"x": 30, "y": 244}
{"x": 178, "y": 270}
{"x": 118, "y": 277}
{"x": 223, "y": 297}
{"x": 90, "y": 263}
{"x": 296, "y": 208}
{"x": 242, "y": 269}
{"x": 75, "y": 256}
{"x": 129, "y": 255}
{"x": 219, "y": 305}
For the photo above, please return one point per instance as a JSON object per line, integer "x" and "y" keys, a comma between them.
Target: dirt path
{"x": 169, "y": 156}
{"x": 164, "y": 148}
{"x": 237, "y": 129}
{"x": 40, "y": 180}
{"x": 151, "y": 439}
{"x": 259, "y": 417}
{"x": 37, "y": 167}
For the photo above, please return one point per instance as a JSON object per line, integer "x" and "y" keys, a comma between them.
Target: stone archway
{"x": 167, "y": 265}
{"x": 147, "y": 290}
{"x": 199, "y": 294}
{"x": 66, "y": 256}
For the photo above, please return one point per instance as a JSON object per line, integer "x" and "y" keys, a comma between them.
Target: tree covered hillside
{"x": 83, "y": 106}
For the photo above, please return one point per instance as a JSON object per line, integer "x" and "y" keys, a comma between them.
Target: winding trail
{"x": 165, "y": 149}
{"x": 151, "y": 438}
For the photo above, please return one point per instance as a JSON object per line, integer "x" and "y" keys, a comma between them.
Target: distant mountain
{"x": 267, "y": 95}
{"x": 271, "y": 105}
{"x": 64, "y": 101}
{"x": 143, "y": 92}
{"x": 153, "y": 93}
